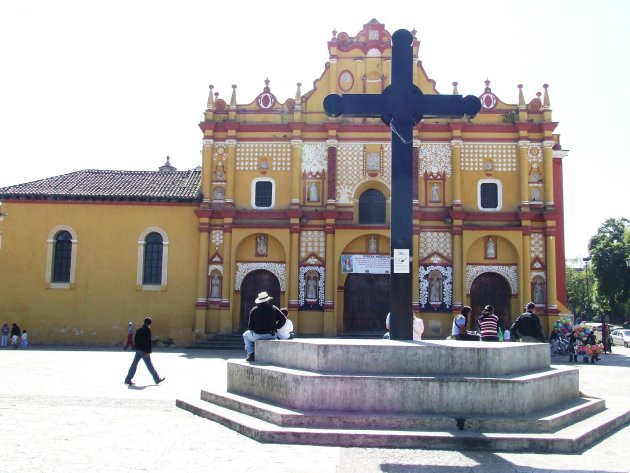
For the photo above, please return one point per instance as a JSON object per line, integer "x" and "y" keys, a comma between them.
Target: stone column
{"x": 550, "y": 247}
{"x": 226, "y": 324}
{"x": 523, "y": 146}
{"x": 456, "y": 145}
{"x": 201, "y": 305}
{"x": 548, "y": 177}
{"x": 206, "y": 169}
{"x": 296, "y": 172}
{"x": 331, "y": 282}
{"x": 231, "y": 170}
{"x": 293, "y": 266}
{"x": 526, "y": 287}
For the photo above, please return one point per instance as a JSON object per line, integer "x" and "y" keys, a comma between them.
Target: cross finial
{"x": 521, "y": 97}
{"x": 487, "y": 82}
{"x": 334, "y": 33}
{"x": 455, "y": 92}
{"x": 210, "y": 99}
{"x": 266, "y": 89}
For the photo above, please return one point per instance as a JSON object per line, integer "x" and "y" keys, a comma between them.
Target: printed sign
{"x": 366, "y": 264}
{"x": 401, "y": 260}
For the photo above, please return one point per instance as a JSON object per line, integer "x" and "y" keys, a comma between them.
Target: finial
{"x": 210, "y": 99}
{"x": 521, "y": 97}
{"x": 298, "y": 93}
{"x": 455, "y": 92}
{"x": 266, "y": 89}
{"x": 413, "y": 32}
{"x": 334, "y": 33}
{"x": 487, "y": 82}
{"x": 546, "y": 102}
{"x": 233, "y": 99}
{"x": 167, "y": 167}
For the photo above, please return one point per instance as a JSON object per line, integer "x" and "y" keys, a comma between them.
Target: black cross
{"x": 401, "y": 106}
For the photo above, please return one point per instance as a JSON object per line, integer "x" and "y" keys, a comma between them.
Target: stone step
{"x": 570, "y": 439}
{"x": 415, "y": 358}
{"x": 527, "y": 393}
{"x": 229, "y": 341}
{"x": 550, "y": 420}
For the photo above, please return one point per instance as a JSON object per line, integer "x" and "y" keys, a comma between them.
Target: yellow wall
{"x": 104, "y": 298}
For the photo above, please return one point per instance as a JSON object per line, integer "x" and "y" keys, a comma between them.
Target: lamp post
{"x": 587, "y": 308}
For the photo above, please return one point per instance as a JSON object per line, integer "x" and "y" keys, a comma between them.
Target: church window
{"x": 372, "y": 207}
{"x": 61, "y": 257}
{"x": 263, "y": 193}
{"x": 152, "y": 263}
{"x": 489, "y": 196}
{"x": 152, "y": 273}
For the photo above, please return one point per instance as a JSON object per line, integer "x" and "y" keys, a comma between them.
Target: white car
{"x": 621, "y": 337}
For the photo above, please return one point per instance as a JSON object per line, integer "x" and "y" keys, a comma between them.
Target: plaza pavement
{"x": 66, "y": 410}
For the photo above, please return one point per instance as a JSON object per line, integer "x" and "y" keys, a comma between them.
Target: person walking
{"x": 142, "y": 341}
{"x": 264, "y": 321}
{"x": 130, "y": 337}
{"x": 459, "y": 326}
{"x": 24, "y": 339}
{"x": 15, "y": 335}
{"x": 527, "y": 327}
{"x": 5, "y": 334}
{"x": 489, "y": 325}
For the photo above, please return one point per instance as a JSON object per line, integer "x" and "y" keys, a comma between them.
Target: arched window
{"x": 62, "y": 257}
{"x": 152, "y": 265}
{"x": 153, "y": 254}
{"x": 372, "y": 207}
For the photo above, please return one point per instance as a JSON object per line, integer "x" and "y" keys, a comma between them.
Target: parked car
{"x": 621, "y": 337}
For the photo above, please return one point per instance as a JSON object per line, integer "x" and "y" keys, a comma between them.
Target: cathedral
{"x": 290, "y": 201}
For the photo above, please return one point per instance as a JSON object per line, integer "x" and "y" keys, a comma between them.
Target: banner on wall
{"x": 365, "y": 264}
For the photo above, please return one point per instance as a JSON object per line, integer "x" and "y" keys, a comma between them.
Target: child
{"x": 24, "y": 339}
{"x": 286, "y": 331}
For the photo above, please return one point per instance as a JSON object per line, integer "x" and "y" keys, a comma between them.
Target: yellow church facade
{"x": 292, "y": 202}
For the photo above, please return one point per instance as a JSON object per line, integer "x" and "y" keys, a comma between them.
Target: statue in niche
{"x": 311, "y": 287}
{"x": 373, "y": 162}
{"x": 538, "y": 292}
{"x": 491, "y": 251}
{"x": 535, "y": 195}
{"x": 435, "y": 192}
{"x": 313, "y": 192}
{"x": 261, "y": 245}
{"x": 215, "y": 287}
{"x": 372, "y": 244}
{"x": 219, "y": 172}
{"x": 435, "y": 287}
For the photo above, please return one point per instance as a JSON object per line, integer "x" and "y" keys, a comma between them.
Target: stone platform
{"x": 386, "y": 393}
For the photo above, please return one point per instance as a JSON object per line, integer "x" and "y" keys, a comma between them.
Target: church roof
{"x": 94, "y": 184}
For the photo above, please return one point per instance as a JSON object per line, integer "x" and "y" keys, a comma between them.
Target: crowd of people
{"x": 19, "y": 337}
{"x": 576, "y": 342}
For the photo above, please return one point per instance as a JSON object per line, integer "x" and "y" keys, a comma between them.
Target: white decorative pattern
{"x": 278, "y": 154}
{"x": 534, "y": 154}
{"x": 537, "y": 246}
{"x": 539, "y": 274}
{"x": 434, "y": 157}
{"x": 350, "y": 169}
{"x": 217, "y": 238}
{"x": 508, "y": 272}
{"x": 314, "y": 157}
{"x": 215, "y": 267}
{"x": 313, "y": 241}
{"x": 503, "y": 156}
{"x": 432, "y": 242}
{"x": 447, "y": 284}
{"x": 219, "y": 151}
{"x": 243, "y": 269}
{"x": 320, "y": 286}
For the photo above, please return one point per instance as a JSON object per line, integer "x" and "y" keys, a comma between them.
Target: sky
{"x": 121, "y": 84}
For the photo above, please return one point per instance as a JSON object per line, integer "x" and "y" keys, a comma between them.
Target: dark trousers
{"x": 134, "y": 365}
{"x": 466, "y": 336}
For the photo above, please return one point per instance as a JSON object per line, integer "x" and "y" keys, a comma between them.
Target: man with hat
{"x": 130, "y": 337}
{"x": 264, "y": 320}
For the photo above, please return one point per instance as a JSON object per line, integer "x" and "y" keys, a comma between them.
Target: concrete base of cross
{"x": 429, "y": 394}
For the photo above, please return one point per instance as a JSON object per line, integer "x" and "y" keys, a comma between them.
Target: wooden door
{"x": 255, "y": 282}
{"x": 490, "y": 289}
{"x": 366, "y": 303}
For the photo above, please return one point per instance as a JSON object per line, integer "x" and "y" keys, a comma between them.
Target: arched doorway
{"x": 366, "y": 303}
{"x": 255, "y": 282}
{"x": 492, "y": 289}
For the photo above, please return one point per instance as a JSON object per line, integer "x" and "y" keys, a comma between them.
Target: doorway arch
{"x": 491, "y": 289}
{"x": 255, "y": 282}
{"x": 365, "y": 303}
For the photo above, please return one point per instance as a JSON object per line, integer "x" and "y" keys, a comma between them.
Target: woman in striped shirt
{"x": 489, "y": 325}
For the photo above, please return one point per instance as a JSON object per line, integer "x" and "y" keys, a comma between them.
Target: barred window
{"x": 62, "y": 257}
{"x": 263, "y": 194}
{"x": 489, "y": 196}
{"x": 153, "y": 255}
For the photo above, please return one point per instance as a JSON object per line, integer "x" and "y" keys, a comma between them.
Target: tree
{"x": 609, "y": 249}
{"x": 577, "y": 287}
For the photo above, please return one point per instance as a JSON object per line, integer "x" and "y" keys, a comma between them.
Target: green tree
{"x": 609, "y": 249}
{"x": 577, "y": 287}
